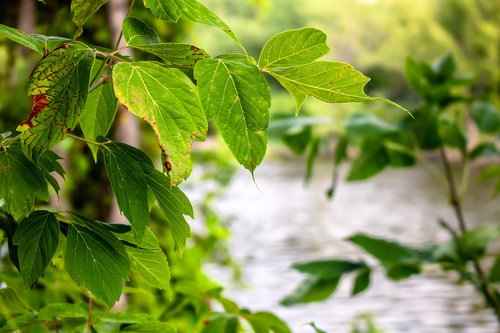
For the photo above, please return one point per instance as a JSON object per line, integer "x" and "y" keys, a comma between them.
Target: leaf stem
{"x": 100, "y": 144}
{"x": 117, "y": 44}
{"x": 457, "y": 207}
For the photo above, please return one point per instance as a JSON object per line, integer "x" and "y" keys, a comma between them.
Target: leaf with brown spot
{"x": 169, "y": 102}
{"x": 59, "y": 86}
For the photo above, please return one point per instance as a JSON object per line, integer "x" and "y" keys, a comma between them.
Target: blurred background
{"x": 304, "y": 201}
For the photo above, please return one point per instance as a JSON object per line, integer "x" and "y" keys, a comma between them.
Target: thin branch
{"x": 100, "y": 144}
{"x": 89, "y": 321}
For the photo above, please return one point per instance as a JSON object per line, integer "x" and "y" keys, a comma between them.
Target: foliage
{"x": 440, "y": 123}
{"x": 76, "y": 88}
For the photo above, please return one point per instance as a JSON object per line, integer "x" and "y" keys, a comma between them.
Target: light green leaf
{"x": 174, "y": 204}
{"x": 170, "y": 104}
{"x": 155, "y": 327}
{"x": 293, "y": 48}
{"x": 129, "y": 185}
{"x": 95, "y": 258}
{"x": 55, "y": 311}
{"x": 82, "y": 10}
{"x": 59, "y": 86}
{"x": 151, "y": 264}
{"x": 267, "y": 322}
{"x": 21, "y": 181}
{"x": 236, "y": 95}
{"x": 22, "y": 38}
{"x": 192, "y": 10}
{"x": 11, "y": 303}
{"x": 98, "y": 114}
{"x": 37, "y": 237}
{"x": 142, "y": 37}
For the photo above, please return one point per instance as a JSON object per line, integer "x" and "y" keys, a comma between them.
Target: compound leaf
{"x": 82, "y": 10}
{"x": 169, "y": 104}
{"x": 192, "y": 10}
{"x": 236, "y": 95}
{"x": 98, "y": 114}
{"x": 129, "y": 185}
{"x": 37, "y": 237}
{"x": 142, "y": 37}
{"x": 21, "y": 181}
{"x": 59, "y": 86}
{"x": 293, "y": 48}
{"x": 95, "y": 258}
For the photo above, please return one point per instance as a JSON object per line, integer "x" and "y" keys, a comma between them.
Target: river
{"x": 283, "y": 221}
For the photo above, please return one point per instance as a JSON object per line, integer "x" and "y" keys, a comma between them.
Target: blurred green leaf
{"x": 425, "y": 127}
{"x": 473, "y": 242}
{"x": 83, "y": 10}
{"x": 22, "y": 38}
{"x": 56, "y": 311}
{"x": 313, "y": 289}
{"x": 451, "y": 134}
{"x": 362, "y": 124}
{"x": 328, "y": 268}
{"x": 486, "y": 149}
{"x": 361, "y": 281}
{"x": 154, "y": 327}
{"x": 267, "y": 322}
{"x": 11, "y": 303}
{"x": 494, "y": 275}
{"x": 37, "y": 237}
{"x": 372, "y": 159}
{"x": 486, "y": 116}
{"x": 316, "y": 329}
{"x": 293, "y": 48}
{"x": 298, "y": 140}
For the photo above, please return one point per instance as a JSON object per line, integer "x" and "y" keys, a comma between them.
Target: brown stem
{"x": 457, "y": 207}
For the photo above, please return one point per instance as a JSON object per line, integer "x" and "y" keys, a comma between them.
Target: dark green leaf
{"x": 474, "y": 242}
{"x": 142, "y": 37}
{"x": 95, "y": 258}
{"x": 236, "y": 95}
{"x": 487, "y": 117}
{"x": 487, "y": 149}
{"x": 293, "y": 48}
{"x": 372, "y": 159}
{"x": 170, "y": 104}
{"x": 402, "y": 271}
{"x": 49, "y": 163}
{"x": 298, "y": 140}
{"x": 22, "y": 38}
{"x": 37, "y": 237}
{"x": 98, "y": 114}
{"x": 329, "y": 268}
{"x": 494, "y": 275}
{"x": 9, "y": 226}
{"x": 425, "y": 127}
{"x": 21, "y": 181}
{"x": 148, "y": 241}
{"x": 82, "y": 10}
{"x": 59, "y": 86}
{"x": 16, "y": 323}
{"x": 313, "y": 289}
{"x": 129, "y": 185}
{"x": 451, "y": 134}
{"x": 362, "y": 281}
{"x": 192, "y": 10}
{"x": 311, "y": 158}
{"x": 151, "y": 264}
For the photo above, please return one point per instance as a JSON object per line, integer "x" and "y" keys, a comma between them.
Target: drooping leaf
{"x": 142, "y": 37}
{"x": 151, "y": 264}
{"x": 174, "y": 204}
{"x": 313, "y": 289}
{"x": 22, "y": 38}
{"x": 37, "y": 237}
{"x": 48, "y": 163}
{"x": 169, "y": 104}
{"x": 59, "y": 86}
{"x": 154, "y": 327}
{"x": 331, "y": 82}
{"x": 487, "y": 117}
{"x": 192, "y": 10}
{"x": 129, "y": 185}
{"x": 98, "y": 114}
{"x": 21, "y": 181}
{"x": 95, "y": 258}
{"x": 82, "y": 10}
{"x": 361, "y": 281}
{"x": 293, "y": 48}
{"x": 316, "y": 329}
{"x": 236, "y": 95}
{"x": 9, "y": 226}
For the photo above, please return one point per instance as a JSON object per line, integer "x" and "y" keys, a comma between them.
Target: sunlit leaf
{"x": 82, "y": 10}
{"x": 59, "y": 86}
{"x": 236, "y": 95}
{"x": 37, "y": 237}
{"x": 169, "y": 104}
{"x": 293, "y": 48}
{"x": 95, "y": 258}
{"x": 22, "y": 38}
{"x": 151, "y": 264}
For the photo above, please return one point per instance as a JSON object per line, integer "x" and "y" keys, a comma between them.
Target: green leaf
{"x": 37, "y": 237}
{"x": 425, "y": 127}
{"x": 192, "y": 10}
{"x": 329, "y": 268}
{"x": 57, "y": 311}
{"x": 221, "y": 322}
{"x": 169, "y": 104}
{"x": 269, "y": 321}
{"x": 316, "y": 329}
{"x": 9, "y": 226}
{"x": 494, "y": 275}
{"x": 21, "y": 181}
{"x": 59, "y": 86}
{"x": 155, "y": 327}
{"x": 451, "y": 134}
{"x": 11, "y": 303}
{"x": 474, "y": 242}
{"x": 235, "y": 93}
{"x": 98, "y": 114}
{"x": 331, "y": 82}
{"x": 148, "y": 241}
{"x": 22, "y": 38}
{"x": 362, "y": 281}
{"x": 18, "y": 322}
{"x": 313, "y": 289}
{"x": 361, "y": 124}
{"x": 151, "y": 264}
{"x": 95, "y": 258}
{"x": 48, "y": 163}
{"x": 372, "y": 159}
{"x": 129, "y": 185}
{"x": 487, "y": 149}
{"x": 142, "y": 37}
{"x": 293, "y": 48}
{"x": 487, "y": 117}
{"x": 174, "y": 204}
{"x": 82, "y": 10}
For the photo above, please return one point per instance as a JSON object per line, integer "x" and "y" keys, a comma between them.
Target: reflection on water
{"x": 287, "y": 222}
